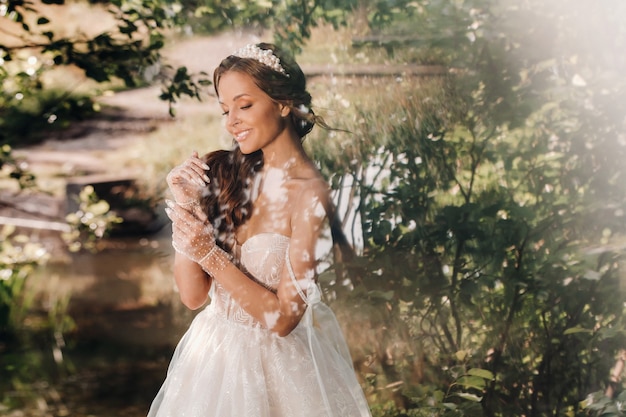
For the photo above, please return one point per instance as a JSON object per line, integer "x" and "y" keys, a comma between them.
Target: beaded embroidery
{"x": 264, "y": 56}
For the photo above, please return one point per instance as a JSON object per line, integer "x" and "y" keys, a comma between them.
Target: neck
{"x": 285, "y": 154}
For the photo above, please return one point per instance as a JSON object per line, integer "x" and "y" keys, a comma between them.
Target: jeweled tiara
{"x": 264, "y": 56}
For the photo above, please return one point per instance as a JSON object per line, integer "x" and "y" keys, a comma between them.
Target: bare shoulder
{"x": 312, "y": 191}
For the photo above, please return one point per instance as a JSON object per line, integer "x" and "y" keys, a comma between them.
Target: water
{"x": 126, "y": 319}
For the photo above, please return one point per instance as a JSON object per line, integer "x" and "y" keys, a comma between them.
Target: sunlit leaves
{"x": 181, "y": 84}
{"x": 123, "y": 52}
{"x": 14, "y": 169}
{"x": 603, "y": 406}
{"x": 487, "y": 240}
{"x": 290, "y": 21}
{"x": 91, "y": 222}
{"x": 18, "y": 257}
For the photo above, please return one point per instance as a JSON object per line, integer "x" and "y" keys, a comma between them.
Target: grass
{"x": 150, "y": 156}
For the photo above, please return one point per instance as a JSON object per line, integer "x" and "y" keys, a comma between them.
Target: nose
{"x": 233, "y": 118}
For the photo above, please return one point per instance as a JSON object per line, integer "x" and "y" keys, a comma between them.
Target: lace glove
{"x": 187, "y": 181}
{"x": 193, "y": 236}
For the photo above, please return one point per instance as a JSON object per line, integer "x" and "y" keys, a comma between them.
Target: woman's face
{"x": 252, "y": 117}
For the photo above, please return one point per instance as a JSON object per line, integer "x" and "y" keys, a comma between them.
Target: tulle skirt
{"x": 222, "y": 368}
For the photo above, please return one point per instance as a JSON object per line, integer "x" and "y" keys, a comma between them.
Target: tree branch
{"x": 616, "y": 374}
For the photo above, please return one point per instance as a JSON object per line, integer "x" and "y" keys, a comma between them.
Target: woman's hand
{"x": 192, "y": 232}
{"x": 188, "y": 181}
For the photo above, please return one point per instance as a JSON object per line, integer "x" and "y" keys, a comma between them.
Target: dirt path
{"x": 129, "y": 114}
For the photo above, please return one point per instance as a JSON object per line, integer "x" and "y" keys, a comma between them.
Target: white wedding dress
{"x": 228, "y": 365}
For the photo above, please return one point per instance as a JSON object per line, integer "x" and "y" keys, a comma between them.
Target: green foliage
{"x": 120, "y": 53}
{"x": 26, "y": 369}
{"x": 183, "y": 84}
{"x": 18, "y": 257}
{"x": 90, "y": 223}
{"x": 34, "y": 42}
{"x": 488, "y": 204}
{"x": 32, "y": 45}
{"x": 290, "y": 21}
{"x": 11, "y": 169}
{"x": 491, "y": 204}
{"x": 21, "y": 327}
{"x": 602, "y": 406}
{"x": 462, "y": 398}
{"x": 26, "y": 120}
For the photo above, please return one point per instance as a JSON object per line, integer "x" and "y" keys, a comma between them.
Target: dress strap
{"x": 309, "y": 323}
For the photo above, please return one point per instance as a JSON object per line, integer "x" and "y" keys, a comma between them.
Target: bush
{"x": 489, "y": 213}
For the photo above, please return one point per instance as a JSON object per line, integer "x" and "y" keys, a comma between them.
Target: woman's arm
{"x": 281, "y": 311}
{"x": 187, "y": 182}
{"x": 192, "y": 282}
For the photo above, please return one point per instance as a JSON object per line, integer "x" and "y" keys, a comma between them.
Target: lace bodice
{"x": 262, "y": 257}
{"x": 227, "y": 364}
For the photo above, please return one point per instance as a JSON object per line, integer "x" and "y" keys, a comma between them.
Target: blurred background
{"x": 483, "y": 185}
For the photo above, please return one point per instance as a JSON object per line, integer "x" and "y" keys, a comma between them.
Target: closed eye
{"x": 247, "y": 106}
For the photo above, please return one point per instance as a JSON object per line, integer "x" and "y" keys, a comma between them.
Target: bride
{"x": 245, "y": 225}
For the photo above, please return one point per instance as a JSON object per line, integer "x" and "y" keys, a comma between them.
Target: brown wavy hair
{"x": 228, "y": 202}
{"x": 288, "y": 89}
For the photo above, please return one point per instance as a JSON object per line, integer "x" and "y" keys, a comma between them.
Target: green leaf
{"x": 577, "y": 329}
{"x": 471, "y": 382}
{"x": 481, "y": 373}
{"x": 99, "y": 208}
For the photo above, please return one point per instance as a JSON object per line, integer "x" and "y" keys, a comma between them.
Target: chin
{"x": 246, "y": 150}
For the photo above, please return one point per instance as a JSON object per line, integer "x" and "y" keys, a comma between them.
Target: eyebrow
{"x": 237, "y": 97}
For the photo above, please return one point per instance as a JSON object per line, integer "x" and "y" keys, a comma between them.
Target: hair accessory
{"x": 264, "y": 56}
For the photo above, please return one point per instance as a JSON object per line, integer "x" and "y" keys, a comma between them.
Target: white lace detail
{"x": 227, "y": 364}
{"x": 262, "y": 256}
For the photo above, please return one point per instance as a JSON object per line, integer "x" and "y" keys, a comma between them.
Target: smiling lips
{"x": 239, "y": 136}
